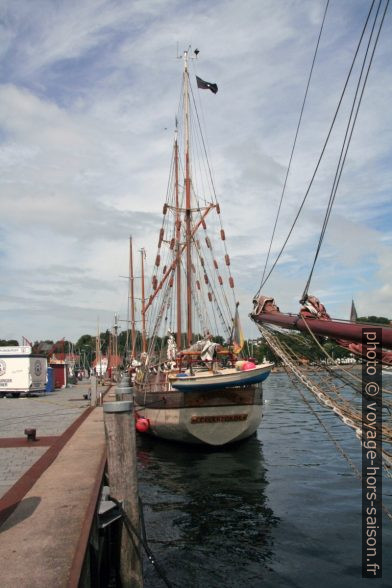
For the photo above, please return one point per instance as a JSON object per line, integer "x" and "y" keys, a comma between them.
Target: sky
{"x": 88, "y": 94}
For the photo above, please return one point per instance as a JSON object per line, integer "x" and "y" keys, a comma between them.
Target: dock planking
{"x": 47, "y": 516}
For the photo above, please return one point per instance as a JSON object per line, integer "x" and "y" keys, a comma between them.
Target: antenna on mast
{"x": 186, "y": 53}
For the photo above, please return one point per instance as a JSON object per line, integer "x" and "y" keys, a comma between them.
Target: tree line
{"x": 301, "y": 344}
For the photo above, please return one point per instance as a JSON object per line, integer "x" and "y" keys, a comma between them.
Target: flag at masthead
{"x": 206, "y": 85}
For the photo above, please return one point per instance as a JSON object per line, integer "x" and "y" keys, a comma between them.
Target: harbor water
{"x": 282, "y": 508}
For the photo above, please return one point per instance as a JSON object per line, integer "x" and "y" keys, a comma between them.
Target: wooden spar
{"x": 110, "y": 346}
{"x": 115, "y": 342}
{"x": 144, "y": 346}
{"x": 326, "y": 328}
{"x": 178, "y": 245}
{"x": 188, "y": 217}
{"x": 132, "y": 300}
{"x": 174, "y": 264}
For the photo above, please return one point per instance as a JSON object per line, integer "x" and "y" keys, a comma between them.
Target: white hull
{"x": 212, "y": 418}
{"x": 189, "y": 425}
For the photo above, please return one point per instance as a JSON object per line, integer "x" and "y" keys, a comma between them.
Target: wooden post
{"x": 123, "y": 389}
{"x": 93, "y": 390}
{"x": 121, "y": 454}
{"x": 123, "y": 395}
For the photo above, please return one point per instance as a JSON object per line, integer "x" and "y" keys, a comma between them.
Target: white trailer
{"x": 21, "y": 371}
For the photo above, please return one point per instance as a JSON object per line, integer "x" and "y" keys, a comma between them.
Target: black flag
{"x": 206, "y": 85}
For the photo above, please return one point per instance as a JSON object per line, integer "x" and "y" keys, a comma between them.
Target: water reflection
{"x": 206, "y": 511}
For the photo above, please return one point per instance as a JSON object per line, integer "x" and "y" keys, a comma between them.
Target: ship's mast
{"x": 188, "y": 218}
{"x": 132, "y": 300}
{"x": 178, "y": 242}
{"x": 144, "y": 345}
{"x": 98, "y": 350}
{"x": 115, "y": 340}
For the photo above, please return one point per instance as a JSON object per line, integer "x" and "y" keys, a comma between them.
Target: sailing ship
{"x": 191, "y": 386}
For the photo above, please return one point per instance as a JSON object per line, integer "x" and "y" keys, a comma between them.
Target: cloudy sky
{"x": 88, "y": 93}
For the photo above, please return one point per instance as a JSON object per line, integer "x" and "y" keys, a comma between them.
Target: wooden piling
{"x": 121, "y": 456}
{"x": 124, "y": 395}
{"x": 93, "y": 390}
{"x": 123, "y": 389}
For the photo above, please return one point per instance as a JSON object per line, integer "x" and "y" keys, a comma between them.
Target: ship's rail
{"x": 148, "y": 397}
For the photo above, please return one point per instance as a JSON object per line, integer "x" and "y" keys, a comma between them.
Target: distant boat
{"x": 186, "y": 390}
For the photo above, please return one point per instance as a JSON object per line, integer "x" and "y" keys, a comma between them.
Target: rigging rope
{"x": 295, "y": 140}
{"x": 321, "y": 154}
{"x": 332, "y": 359}
{"x": 142, "y": 538}
{"x": 215, "y": 200}
{"x": 341, "y": 408}
{"x": 347, "y": 139}
{"x": 168, "y": 236}
{"x": 338, "y": 446}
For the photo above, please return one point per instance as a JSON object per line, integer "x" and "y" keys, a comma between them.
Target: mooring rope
{"x": 131, "y": 530}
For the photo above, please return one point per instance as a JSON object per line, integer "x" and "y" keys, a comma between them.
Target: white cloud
{"x": 87, "y": 106}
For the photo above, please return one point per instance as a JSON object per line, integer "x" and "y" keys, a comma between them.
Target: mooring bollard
{"x": 121, "y": 456}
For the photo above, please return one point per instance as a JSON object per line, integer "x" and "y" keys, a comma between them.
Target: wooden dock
{"x": 46, "y": 516}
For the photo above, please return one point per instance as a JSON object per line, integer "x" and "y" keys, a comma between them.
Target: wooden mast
{"x": 98, "y": 349}
{"x": 110, "y": 347}
{"x": 187, "y": 203}
{"x": 132, "y": 300}
{"x": 144, "y": 346}
{"x": 178, "y": 242}
{"x": 115, "y": 342}
{"x": 182, "y": 249}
